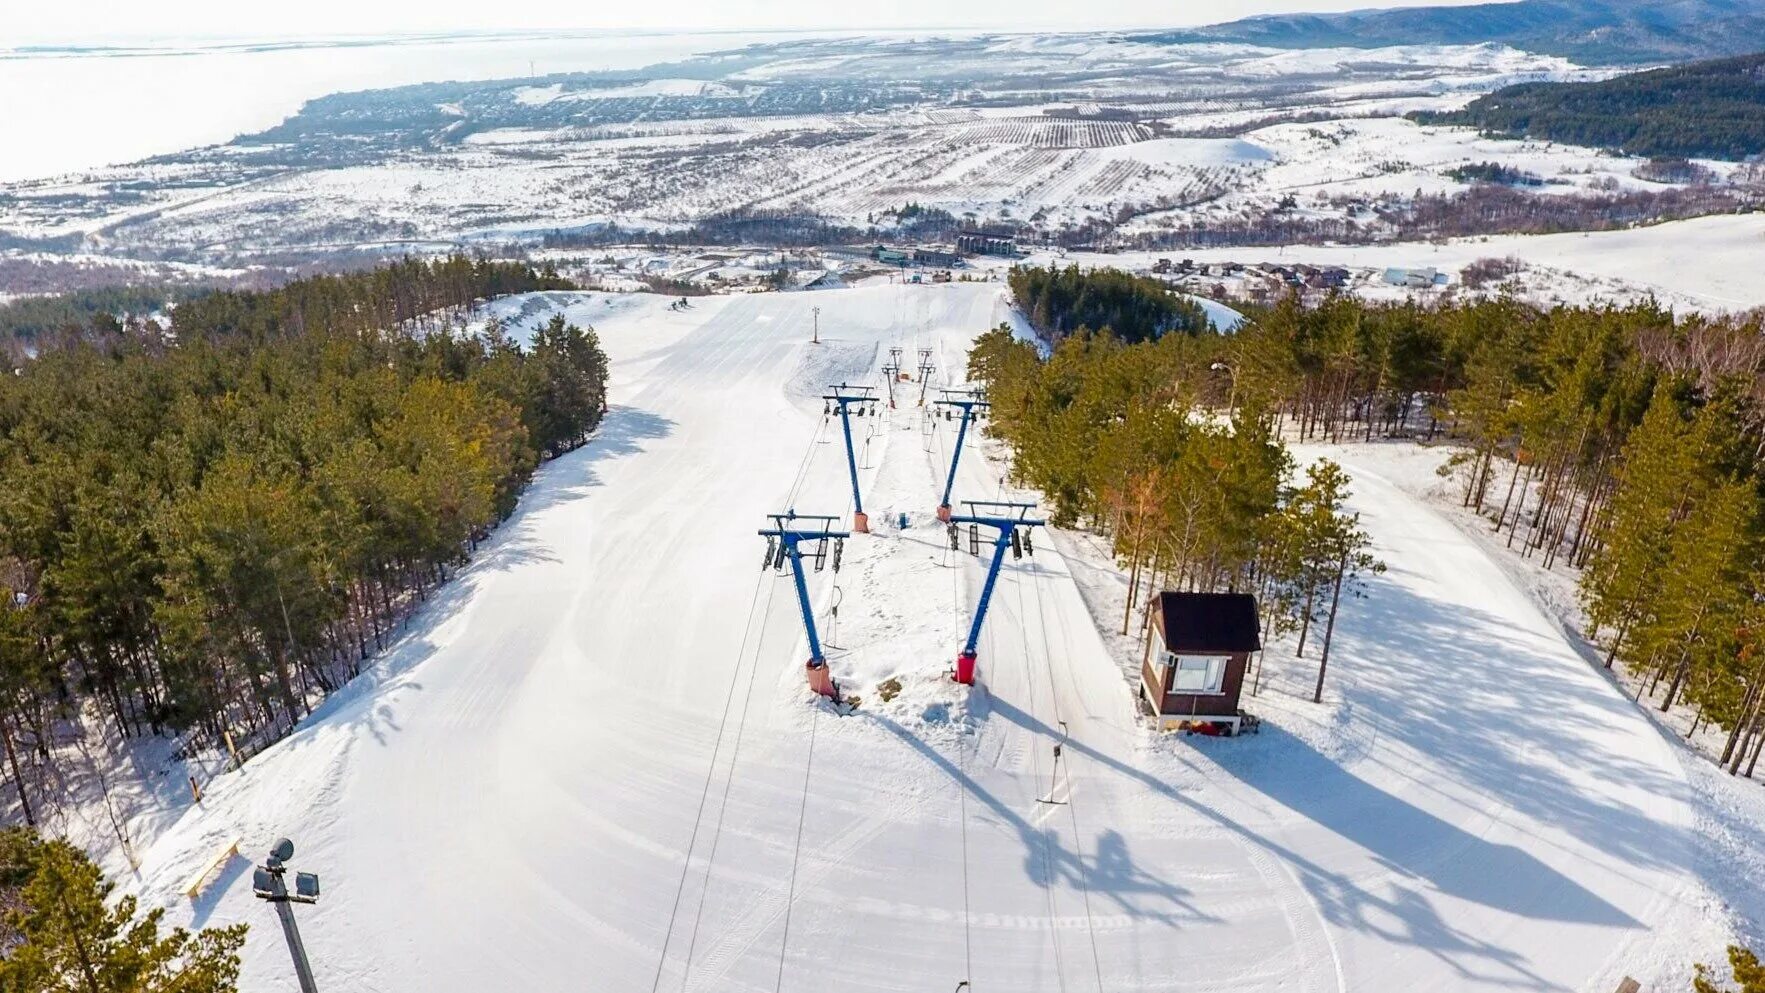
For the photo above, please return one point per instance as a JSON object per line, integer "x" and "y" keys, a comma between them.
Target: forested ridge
{"x": 206, "y": 526}
{"x": 1712, "y": 109}
{"x": 1060, "y": 302}
{"x": 1624, "y": 442}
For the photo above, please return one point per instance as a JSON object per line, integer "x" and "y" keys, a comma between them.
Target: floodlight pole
{"x": 789, "y": 536}
{"x": 967, "y": 405}
{"x": 844, "y": 397}
{"x": 991, "y": 514}
{"x": 303, "y": 970}
{"x": 269, "y": 886}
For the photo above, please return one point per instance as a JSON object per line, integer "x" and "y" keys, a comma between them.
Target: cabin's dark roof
{"x": 1215, "y": 623}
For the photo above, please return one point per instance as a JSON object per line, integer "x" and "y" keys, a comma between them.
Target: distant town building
{"x": 1412, "y": 278}
{"x": 985, "y": 244}
{"x": 936, "y": 255}
{"x": 890, "y": 256}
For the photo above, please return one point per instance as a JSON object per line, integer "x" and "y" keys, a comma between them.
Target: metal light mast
{"x": 267, "y": 884}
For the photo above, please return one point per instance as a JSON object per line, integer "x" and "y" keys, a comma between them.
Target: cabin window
{"x": 1198, "y": 674}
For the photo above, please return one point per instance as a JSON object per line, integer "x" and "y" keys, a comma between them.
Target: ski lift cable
{"x": 962, "y": 819}
{"x": 710, "y": 771}
{"x": 1071, "y": 805}
{"x": 808, "y": 460}
{"x": 790, "y": 899}
{"x": 1036, "y": 759}
{"x": 705, "y": 790}
{"x": 728, "y": 783}
{"x": 802, "y": 819}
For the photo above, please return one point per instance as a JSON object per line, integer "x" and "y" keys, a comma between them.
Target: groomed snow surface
{"x": 592, "y": 763}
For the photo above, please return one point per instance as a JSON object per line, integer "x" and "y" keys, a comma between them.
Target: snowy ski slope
{"x": 592, "y": 763}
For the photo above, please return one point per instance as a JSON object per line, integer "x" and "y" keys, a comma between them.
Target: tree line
{"x": 1134, "y": 308}
{"x": 1713, "y": 109}
{"x": 1627, "y": 443}
{"x": 1114, "y": 433}
{"x": 208, "y": 525}
{"x": 1624, "y": 442}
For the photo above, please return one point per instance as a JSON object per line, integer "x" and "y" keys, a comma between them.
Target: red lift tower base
{"x": 965, "y": 669}
{"x": 944, "y": 512}
{"x": 861, "y": 522}
{"x": 820, "y": 679}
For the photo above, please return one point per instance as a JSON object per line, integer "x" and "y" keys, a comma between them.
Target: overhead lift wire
{"x": 728, "y": 783}
{"x": 705, "y": 790}
{"x": 1047, "y": 843}
{"x": 722, "y": 726}
{"x": 790, "y": 899}
{"x": 1071, "y": 806}
{"x": 797, "y": 854}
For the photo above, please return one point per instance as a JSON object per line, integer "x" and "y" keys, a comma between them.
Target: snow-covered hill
{"x": 593, "y": 762}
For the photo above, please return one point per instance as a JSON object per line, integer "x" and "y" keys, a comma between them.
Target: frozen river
{"x": 66, "y": 110}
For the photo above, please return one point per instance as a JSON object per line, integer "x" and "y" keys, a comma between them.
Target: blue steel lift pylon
{"x": 783, "y": 543}
{"x": 1014, "y": 523}
{"x": 967, "y": 402}
{"x": 892, "y": 374}
{"x": 864, "y": 398}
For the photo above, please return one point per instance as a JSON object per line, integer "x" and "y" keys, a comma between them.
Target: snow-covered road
{"x": 509, "y": 801}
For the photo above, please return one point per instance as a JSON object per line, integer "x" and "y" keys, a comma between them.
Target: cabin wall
{"x": 1221, "y": 704}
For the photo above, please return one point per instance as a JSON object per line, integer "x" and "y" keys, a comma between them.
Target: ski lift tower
{"x": 864, "y": 399}
{"x": 1013, "y": 522}
{"x": 925, "y": 372}
{"x": 784, "y": 542}
{"x": 891, "y": 373}
{"x": 966, "y": 401}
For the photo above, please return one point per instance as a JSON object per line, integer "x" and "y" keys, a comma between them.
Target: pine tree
{"x": 64, "y": 936}
{"x": 1749, "y": 974}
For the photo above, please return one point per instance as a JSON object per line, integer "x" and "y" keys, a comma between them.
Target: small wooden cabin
{"x": 1196, "y": 656}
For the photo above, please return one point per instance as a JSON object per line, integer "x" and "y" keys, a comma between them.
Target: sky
{"x": 100, "y": 21}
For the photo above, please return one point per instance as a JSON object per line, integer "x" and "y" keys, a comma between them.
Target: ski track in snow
{"x": 507, "y": 801}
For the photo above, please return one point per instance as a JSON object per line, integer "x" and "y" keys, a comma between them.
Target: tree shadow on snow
{"x": 1403, "y": 838}
{"x": 1110, "y": 869}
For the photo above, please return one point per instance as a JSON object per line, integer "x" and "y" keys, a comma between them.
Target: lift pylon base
{"x": 965, "y": 668}
{"x": 861, "y": 522}
{"x": 820, "y": 678}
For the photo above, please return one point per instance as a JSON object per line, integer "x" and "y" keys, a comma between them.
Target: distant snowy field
{"x": 1706, "y": 265}
{"x": 593, "y": 753}
{"x": 1142, "y": 137}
